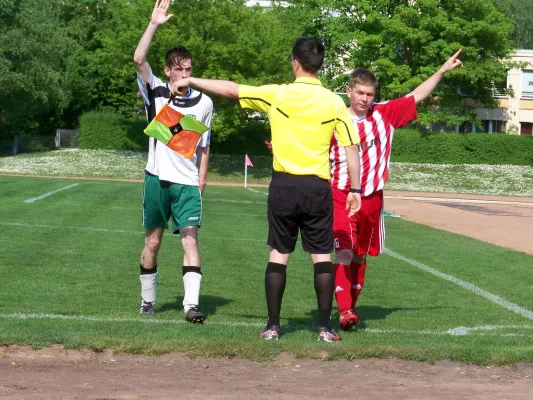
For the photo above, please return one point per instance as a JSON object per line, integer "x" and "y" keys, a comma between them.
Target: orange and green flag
{"x": 178, "y": 131}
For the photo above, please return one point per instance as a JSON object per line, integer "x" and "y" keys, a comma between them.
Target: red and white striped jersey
{"x": 376, "y": 131}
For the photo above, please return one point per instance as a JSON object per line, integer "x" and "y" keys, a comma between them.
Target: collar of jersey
{"x": 306, "y": 79}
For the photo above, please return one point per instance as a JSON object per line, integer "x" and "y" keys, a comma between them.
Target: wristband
{"x": 352, "y": 190}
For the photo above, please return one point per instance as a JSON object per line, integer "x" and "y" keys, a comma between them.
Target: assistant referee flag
{"x": 178, "y": 131}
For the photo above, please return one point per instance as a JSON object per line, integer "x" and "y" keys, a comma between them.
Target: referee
{"x": 303, "y": 116}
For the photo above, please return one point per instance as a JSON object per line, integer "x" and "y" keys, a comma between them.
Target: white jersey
{"x": 163, "y": 161}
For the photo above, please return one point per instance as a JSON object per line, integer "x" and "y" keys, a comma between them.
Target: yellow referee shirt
{"x": 303, "y": 116}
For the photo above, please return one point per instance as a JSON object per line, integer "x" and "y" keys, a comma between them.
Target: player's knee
{"x": 153, "y": 244}
{"x": 359, "y": 259}
{"x": 189, "y": 244}
{"x": 343, "y": 257}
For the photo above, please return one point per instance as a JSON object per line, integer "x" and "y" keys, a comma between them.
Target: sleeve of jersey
{"x": 401, "y": 111}
{"x": 205, "y": 139}
{"x": 153, "y": 81}
{"x": 344, "y": 128}
{"x": 257, "y": 98}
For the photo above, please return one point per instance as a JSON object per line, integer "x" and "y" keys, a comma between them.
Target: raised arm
{"x": 425, "y": 89}
{"x": 159, "y": 17}
{"x": 227, "y": 89}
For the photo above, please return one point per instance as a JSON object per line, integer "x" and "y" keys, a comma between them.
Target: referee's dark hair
{"x": 309, "y": 52}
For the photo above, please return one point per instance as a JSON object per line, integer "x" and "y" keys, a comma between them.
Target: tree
{"x": 521, "y": 12}
{"x": 39, "y": 64}
{"x": 227, "y": 39}
{"x": 405, "y": 41}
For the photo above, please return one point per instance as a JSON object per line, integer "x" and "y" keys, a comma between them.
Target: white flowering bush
{"x": 505, "y": 180}
{"x": 76, "y": 162}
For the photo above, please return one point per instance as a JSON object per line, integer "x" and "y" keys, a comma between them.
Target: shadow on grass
{"x": 208, "y": 304}
{"x": 366, "y": 313}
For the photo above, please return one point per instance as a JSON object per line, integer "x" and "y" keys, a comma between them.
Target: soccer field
{"x": 69, "y": 261}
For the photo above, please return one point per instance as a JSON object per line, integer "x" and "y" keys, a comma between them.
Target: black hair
{"x": 309, "y": 52}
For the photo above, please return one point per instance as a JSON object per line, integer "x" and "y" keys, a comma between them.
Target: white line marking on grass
{"x": 34, "y": 199}
{"x": 148, "y": 320}
{"x": 235, "y": 201}
{"x": 463, "y": 330}
{"x": 473, "y": 288}
{"x": 257, "y": 191}
{"x": 83, "y": 228}
{"x": 454, "y": 200}
{"x": 236, "y": 214}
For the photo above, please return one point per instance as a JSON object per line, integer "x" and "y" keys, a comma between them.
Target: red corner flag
{"x": 247, "y": 161}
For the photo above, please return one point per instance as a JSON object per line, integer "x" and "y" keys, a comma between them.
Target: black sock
{"x": 324, "y": 288}
{"x": 145, "y": 271}
{"x": 275, "y": 278}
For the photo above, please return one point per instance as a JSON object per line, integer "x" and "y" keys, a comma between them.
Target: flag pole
{"x": 245, "y": 174}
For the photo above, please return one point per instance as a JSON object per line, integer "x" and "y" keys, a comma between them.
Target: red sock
{"x": 343, "y": 283}
{"x": 358, "y": 280}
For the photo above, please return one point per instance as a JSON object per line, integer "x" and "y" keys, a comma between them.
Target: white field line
{"x": 463, "y": 330}
{"x": 453, "y": 200}
{"x": 257, "y": 191}
{"x": 233, "y": 201}
{"x": 84, "y": 228}
{"x": 466, "y": 285}
{"x": 34, "y": 199}
{"x": 459, "y": 331}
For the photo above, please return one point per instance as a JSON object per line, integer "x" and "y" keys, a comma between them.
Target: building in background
{"x": 513, "y": 115}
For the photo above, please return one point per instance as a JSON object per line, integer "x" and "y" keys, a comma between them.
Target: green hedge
{"x": 111, "y": 131}
{"x": 411, "y": 145}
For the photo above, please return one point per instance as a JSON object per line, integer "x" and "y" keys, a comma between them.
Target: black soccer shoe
{"x": 147, "y": 308}
{"x": 194, "y": 316}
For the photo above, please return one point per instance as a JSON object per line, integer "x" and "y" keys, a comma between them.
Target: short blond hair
{"x": 361, "y": 76}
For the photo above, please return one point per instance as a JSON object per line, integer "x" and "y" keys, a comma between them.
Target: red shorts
{"x": 364, "y": 233}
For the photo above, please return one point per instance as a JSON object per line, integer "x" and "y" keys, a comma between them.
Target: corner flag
{"x": 247, "y": 162}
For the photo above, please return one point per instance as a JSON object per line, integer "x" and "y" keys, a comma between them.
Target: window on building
{"x": 526, "y": 128}
{"x": 466, "y": 127}
{"x": 492, "y": 126}
{"x": 498, "y": 126}
{"x": 527, "y": 84}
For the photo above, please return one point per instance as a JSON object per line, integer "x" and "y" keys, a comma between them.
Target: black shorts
{"x": 300, "y": 202}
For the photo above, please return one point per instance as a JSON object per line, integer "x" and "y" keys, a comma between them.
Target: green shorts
{"x": 162, "y": 200}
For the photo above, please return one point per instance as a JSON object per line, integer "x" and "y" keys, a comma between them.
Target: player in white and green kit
{"x": 173, "y": 184}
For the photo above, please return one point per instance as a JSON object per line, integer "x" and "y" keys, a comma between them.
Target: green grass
{"x": 70, "y": 263}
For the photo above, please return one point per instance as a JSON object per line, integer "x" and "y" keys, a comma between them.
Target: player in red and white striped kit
{"x": 364, "y": 233}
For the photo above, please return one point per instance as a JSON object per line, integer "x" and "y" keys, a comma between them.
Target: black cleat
{"x": 147, "y": 308}
{"x": 327, "y": 335}
{"x": 194, "y": 316}
{"x": 270, "y": 332}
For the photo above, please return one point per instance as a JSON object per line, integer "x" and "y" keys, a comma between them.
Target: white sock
{"x": 191, "y": 283}
{"x": 149, "y": 287}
